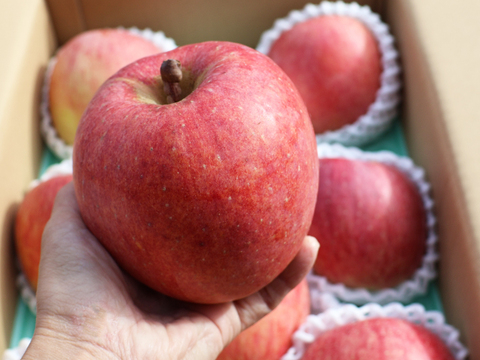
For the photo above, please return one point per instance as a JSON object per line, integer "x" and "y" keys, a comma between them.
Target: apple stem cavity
{"x": 171, "y": 72}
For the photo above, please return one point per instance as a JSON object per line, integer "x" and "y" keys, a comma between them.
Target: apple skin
{"x": 336, "y": 65}
{"x": 206, "y": 199}
{"x": 82, "y": 65}
{"x": 371, "y": 222}
{"x": 271, "y": 337}
{"x": 32, "y": 216}
{"x": 378, "y": 339}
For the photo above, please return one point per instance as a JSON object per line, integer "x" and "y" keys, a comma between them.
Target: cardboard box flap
{"x": 440, "y": 47}
{"x": 184, "y": 21}
{"x": 28, "y": 40}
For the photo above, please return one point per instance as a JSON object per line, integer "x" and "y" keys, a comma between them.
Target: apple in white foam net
{"x": 378, "y": 339}
{"x": 200, "y": 182}
{"x": 82, "y": 65}
{"x": 371, "y": 222}
{"x": 335, "y": 62}
{"x": 32, "y": 217}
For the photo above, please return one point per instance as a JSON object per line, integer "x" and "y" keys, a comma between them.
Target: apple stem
{"x": 171, "y": 72}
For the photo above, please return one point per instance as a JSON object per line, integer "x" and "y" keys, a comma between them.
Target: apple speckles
{"x": 219, "y": 158}
{"x": 164, "y": 188}
{"x": 167, "y": 205}
{"x": 151, "y": 149}
{"x": 118, "y": 167}
{"x": 229, "y": 198}
{"x": 183, "y": 125}
{"x": 204, "y": 166}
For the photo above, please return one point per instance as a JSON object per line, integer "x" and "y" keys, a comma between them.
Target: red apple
{"x": 336, "y": 65}
{"x": 271, "y": 337}
{"x": 371, "y": 222}
{"x": 206, "y": 198}
{"x": 32, "y": 216}
{"x": 378, "y": 339}
{"x": 82, "y": 65}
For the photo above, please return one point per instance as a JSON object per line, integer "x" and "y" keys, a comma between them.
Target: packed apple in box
{"x": 374, "y": 218}
{"x": 78, "y": 69}
{"x": 343, "y": 60}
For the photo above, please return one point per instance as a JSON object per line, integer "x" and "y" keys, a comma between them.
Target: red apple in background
{"x": 336, "y": 65}
{"x": 82, "y": 65}
{"x": 32, "y": 216}
{"x": 378, "y": 339}
{"x": 271, "y": 337}
{"x": 208, "y": 198}
{"x": 371, "y": 222}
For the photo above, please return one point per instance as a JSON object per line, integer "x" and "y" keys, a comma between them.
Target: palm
{"x": 80, "y": 284}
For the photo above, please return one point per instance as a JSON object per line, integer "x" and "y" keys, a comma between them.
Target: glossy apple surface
{"x": 208, "y": 198}
{"x": 271, "y": 337}
{"x": 336, "y": 65}
{"x": 82, "y": 65}
{"x": 32, "y": 216}
{"x": 371, "y": 222}
{"x": 378, "y": 339}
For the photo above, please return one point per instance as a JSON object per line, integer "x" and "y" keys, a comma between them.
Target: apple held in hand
{"x": 271, "y": 337}
{"x": 336, "y": 65}
{"x": 200, "y": 182}
{"x": 82, "y": 65}
{"x": 32, "y": 216}
{"x": 378, "y": 339}
{"x": 371, "y": 222}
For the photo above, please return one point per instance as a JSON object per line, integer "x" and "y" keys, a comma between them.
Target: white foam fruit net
{"x": 315, "y": 325}
{"x": 407, "y": 290}
{"x": 382, "y": 111}
{"x": 57, "y": 145}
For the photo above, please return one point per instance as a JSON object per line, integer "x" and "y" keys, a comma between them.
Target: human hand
{"x": 87, "y": 307}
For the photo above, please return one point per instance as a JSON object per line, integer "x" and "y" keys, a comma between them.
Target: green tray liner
{"x": 393, "y": 140}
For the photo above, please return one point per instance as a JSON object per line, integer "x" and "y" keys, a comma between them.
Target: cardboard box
{"x": 439, "y": 46}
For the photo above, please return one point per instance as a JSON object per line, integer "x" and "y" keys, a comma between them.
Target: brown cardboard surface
{"x": 28, "y": 40}
{"x": 185, "y": 21}
{"x": 440, "y": 47}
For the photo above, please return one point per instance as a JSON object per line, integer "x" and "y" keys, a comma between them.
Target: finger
{"x": 254, "y": 307}
{"x": 70, "y": 253}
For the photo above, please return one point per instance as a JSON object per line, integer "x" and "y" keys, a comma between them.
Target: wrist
{"x": 45, "y": 346}
{"x": 78, "y": 336}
